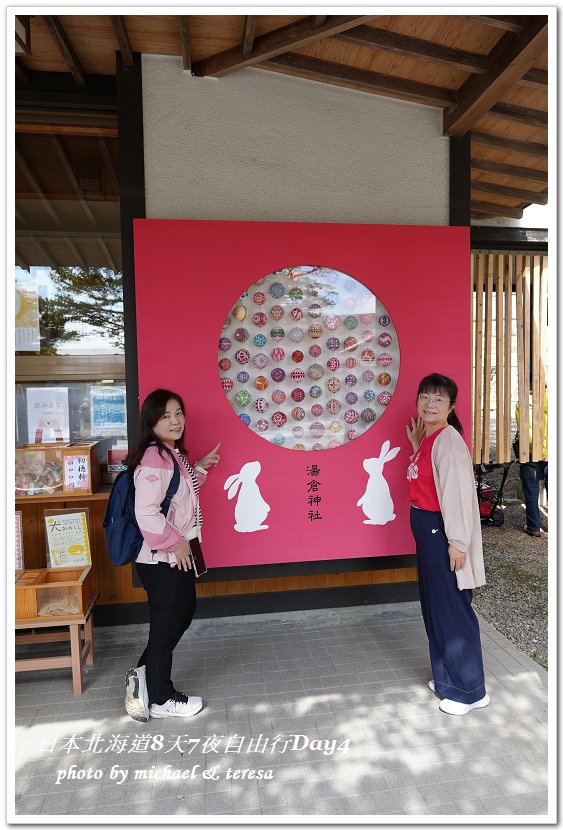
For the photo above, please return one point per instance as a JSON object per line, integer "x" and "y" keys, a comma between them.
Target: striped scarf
{"x": 195, "y": 482}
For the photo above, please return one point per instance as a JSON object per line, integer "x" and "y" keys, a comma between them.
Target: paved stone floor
{"x": 334, "y": 703}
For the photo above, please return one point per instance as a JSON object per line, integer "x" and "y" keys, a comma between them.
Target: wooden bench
{"x": 79, "y": 627}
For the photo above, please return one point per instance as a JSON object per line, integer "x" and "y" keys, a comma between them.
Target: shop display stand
{"x": 79, "y": 628}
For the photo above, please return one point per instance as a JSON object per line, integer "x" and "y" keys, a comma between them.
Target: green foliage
{"x": 88, "y": 295}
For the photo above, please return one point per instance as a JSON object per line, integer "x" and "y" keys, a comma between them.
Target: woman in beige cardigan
{"x": 447, "y": 530}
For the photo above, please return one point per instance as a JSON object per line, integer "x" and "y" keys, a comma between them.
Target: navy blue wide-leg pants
{"x": 450, "y": 621}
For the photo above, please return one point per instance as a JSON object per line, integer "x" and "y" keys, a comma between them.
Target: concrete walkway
{"x": 334, "y": 704}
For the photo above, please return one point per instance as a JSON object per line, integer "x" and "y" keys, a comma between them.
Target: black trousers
{"x": 172, "y": 601}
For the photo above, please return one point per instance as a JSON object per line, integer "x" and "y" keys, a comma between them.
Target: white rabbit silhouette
{"x": 251, "y": 509}
{"x": 376, "y": 502}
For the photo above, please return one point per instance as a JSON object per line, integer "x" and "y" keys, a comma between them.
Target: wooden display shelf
{"x": 79, "y": 627}
{"x": 101, "y": 494}
{"x": 37, "y": 587}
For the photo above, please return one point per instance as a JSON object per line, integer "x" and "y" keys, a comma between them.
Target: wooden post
{"x": 491, "y": 267}
{"x": 478, "y": 375}
{"x": 508, "y": 294}
{"x": 524, "y": 392}
{"x": 543, "y": 347}
{"x": 536, "y": 443}
{"x": 499, "y": 380}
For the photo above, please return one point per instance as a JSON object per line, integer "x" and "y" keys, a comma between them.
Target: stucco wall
{"x": 258, "y": 145}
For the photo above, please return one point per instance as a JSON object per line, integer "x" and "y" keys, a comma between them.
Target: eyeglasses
{"x": 437, "y": 399}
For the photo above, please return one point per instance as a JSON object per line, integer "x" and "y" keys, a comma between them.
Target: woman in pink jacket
{"x": 164, "y": 562}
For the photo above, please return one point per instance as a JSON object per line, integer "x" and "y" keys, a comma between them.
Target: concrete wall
{"x": 259, "y": 145}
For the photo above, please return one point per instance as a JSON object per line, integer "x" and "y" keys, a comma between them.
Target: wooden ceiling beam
{"x": 72, "y": 178}
{"x": 491, "y": 209}
{"x": 513, "y": 56}
{"x": 20, "y": 261}
{"x": 527, "y": 148}
{"x": 65, "y": 48}
{"x": 249, "y": 34}
{"x": 507, "y": 23}
{"x": 512, "y": 170}
{"x": 30, "y": 128}
{"x": 76, "y": 253}
{"x": 22, "y": 72}
{"x": 120, "y": 30}
{"x": 510, "y": 192}
{"x": 107, "y": 254}
{"x": 47, "y": 256}
{"x": 534, "y": 77}
{"x": 524, "y": 115}
{"x": 319, "y": 70}
{"x": 30, "y": 176}
{"x": 186, "y": 48}
{"x": 275, "y": 43}
{"x": 413, "y": 47}
{"x": 319, "y": 20}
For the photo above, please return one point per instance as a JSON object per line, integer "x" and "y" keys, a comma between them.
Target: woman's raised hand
{"x": 211, "y": 459}
{"x": 415, "y": 433}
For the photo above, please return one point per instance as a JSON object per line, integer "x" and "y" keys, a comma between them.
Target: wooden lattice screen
{"x": 509, "y": 346}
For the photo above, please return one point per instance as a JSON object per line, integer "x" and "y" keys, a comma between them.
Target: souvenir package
{"x": 308, "y": 358}
{"x": 57, "y": 470}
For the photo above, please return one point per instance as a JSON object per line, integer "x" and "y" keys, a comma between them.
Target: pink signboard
{"x": 300, "y": 348}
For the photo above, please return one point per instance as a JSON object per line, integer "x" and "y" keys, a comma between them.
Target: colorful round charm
{"x": 315, "y": 310}
{"x": 241, "y": 335}
{"x": 279, "y": 439}
{"x": 242, "y": 398}
{"x": 333, "y": 344}
{"x": 225, "y": 364}
{"x": 384, "y": 339}
{"x": 298, "y": 395}
{"x": 332, "y": 322}
{"x": 277, "y": 354}
{"x": 245, "y": 418}
{"x": 277, "y": 290}
{"x": 296, "y": 334}
{"x": 350, "y": 344}
{"x": 367, "y": 318}
{"x": 296, "y": 294}
{"x": 368, "y": 415}
{"x": 315, "y": 350}
{"x": 277, "y": 374}
{"x": 279, "y": 419}
{"x": 384, "y": 359}
{"x": 276, "y": 312}
{"x": 315, "y": 391}
{"x": 259, "y": 298}
{"x": 350, "y": 380}
{"x": 260, "y": 360}
{"x": 351, "y": 398}
{"x": 239, "y": 313}
{"x": 259, "y": 319}
{"x": 243, "y": 377}
{"x": 351, "y": 322}
{"x": 297, "y": 356}
{"x": 225, "y": 344}
{"x": 384, "y": 398}
{"x": 296, "y": 314}
{"x": 278, "y": 396}
{"x": 297, "y": 374}
{"x": 351, "y": 416}
{"x": 242, "y": 356}
{"x": 317, "y": 410}
{"x": 299, "y": 432}
{"x": 277, "y": 334}
{"x": 261, "y": 404}
{"x": 315, "y": 330}
{"x": 297, "y": 413}
{"x": 261, "y": 382}
{"x": 369, "y": 395}
{"x": 261, "y": 425}
{"x": 384, "y": 378}
{"x": 384, "y": 320}
{"x": 368, "y": 356}
{"x": 333, "y": 384}
{"x": 227, "y": 384}
{"x": 368, "y": 376}
{"x": 315, "y": 371}
{"x": 333, "y": 364}
{"x": 259, "y": 340}
{"x": 317, "y": 429}
{"x": 334, "y": 406}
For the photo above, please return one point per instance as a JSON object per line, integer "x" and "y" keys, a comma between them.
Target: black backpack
{"x": 123, "y": 537}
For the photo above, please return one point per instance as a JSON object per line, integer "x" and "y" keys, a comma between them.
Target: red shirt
{"x": 420, "y": 476}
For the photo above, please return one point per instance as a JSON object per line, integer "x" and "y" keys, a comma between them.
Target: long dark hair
{"x": 152, "y": 410}
{"x": 440, "y": 384}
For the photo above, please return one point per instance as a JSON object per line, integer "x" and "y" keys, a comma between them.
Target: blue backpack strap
{"x": 173, "y": 486}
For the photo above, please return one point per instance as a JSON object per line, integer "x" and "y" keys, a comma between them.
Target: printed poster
{"x": 47, "y": 415}
{"x": 67, "y": 540}
{"x": 108, "y": 411}
{"x": 76, "y": 475}
{"x": 27, "y": 319}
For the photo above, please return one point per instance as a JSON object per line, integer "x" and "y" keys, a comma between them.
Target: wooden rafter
{"x": 513, "y": 170}
{"x": 513, "y": 56}
{"x": 185, "y": 38}
{"x": 21, "y": 262}
{"x": 413, "y": 47}
{"x": 249, "y": 34}
{"x": 492, "y": 209}
{"x": 28, "y": 173}
{"x": 107, "y": 254}
{"x": 45, "y": 253}
{"x": 536, "y": 78}
{"x": 319, "y": 20}
{"x": 65, "y": 48}
{"x": 364, "y": 79}
{"x": 524, "y": 115}
{"x": 510, "y": 192}
{"x": 120, "y": 30}
{"x": 75, "y": 252}
{"x": 22, "y": 72}
{"x": 509, "y": 24}
{"x": 502, "y": 142}
{"x": 72, "y": 178}
{"x": 275, "y": 43}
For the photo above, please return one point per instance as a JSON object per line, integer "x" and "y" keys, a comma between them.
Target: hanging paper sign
{"x": 47, "y": 414}
{"x": 108, "y": 411}
{"x": 67, "y": 540}
{"x": 76, "y": 472}
{"x": 27, "y": 319}
{"x": 19, "y": 541}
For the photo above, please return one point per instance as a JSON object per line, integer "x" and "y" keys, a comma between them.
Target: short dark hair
{"x": 152, "y": 410}
{"x": 436, "y": 384}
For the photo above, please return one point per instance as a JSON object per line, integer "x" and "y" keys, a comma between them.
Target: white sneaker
{"x": 431, "y": 686}
{"x": 136, "y": 695}
{"x": 178, "y": 706}
{"x": 452, "y": 707}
